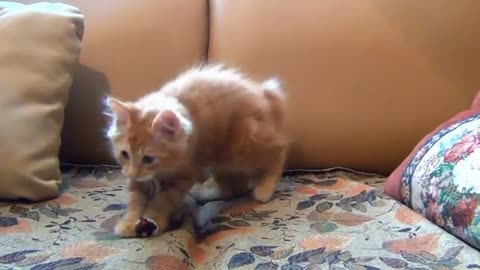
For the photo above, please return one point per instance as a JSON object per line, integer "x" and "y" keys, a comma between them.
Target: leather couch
{"x": 366, "y": 80}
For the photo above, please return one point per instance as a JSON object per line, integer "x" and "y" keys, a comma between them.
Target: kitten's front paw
{"x": 146, "y": 227}
{"x": 262, "y": 194}
{"x": 126, "y": 228}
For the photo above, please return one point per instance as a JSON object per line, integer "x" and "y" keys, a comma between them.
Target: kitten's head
{"x": 147, "y": 143}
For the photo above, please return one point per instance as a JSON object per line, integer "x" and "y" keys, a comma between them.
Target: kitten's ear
{"x": 166, "y": 124}
{"x": 121, "y": 112}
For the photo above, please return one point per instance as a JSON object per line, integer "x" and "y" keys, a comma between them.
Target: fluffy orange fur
{"x": 209, "y": 119}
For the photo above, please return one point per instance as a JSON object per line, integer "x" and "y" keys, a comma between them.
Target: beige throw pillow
{"x": 39, "y": 50}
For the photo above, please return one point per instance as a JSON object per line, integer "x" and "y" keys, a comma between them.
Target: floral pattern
{"x": 442, "y": 180}
{"x": 316, "y": 220}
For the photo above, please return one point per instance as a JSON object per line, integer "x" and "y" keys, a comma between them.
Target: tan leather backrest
{"x": 129, "y": 48}
{"x": 366, "y": 79}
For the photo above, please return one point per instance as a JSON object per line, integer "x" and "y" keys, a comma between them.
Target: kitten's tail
{"x": 274, "y": 93}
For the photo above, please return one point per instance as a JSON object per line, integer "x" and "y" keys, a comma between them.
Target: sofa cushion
{"x": 39, "y": 48}
{"x": 356, "y": 72}
{"x": 315, "y": 218}
{"x": 439, "y": 178}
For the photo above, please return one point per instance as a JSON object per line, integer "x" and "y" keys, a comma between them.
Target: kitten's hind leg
{"x": 266, "y": 184}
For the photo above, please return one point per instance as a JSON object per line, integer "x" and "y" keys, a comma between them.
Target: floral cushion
{"x": 441, "y": 177}
{"x": 443, "y": 180}
{"x": 316, "y": 220}
{"x": 393, "y": 183}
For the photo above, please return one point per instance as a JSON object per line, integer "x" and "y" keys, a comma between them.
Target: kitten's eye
{"x": 124, "y": 154}
{"x": 148, "y": 159}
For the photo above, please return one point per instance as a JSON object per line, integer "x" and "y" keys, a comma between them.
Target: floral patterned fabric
{"x": 316, "y": 220}
{"x": 442, "y": 181}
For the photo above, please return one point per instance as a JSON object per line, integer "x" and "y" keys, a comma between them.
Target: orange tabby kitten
{"x": 208, "y": 119}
